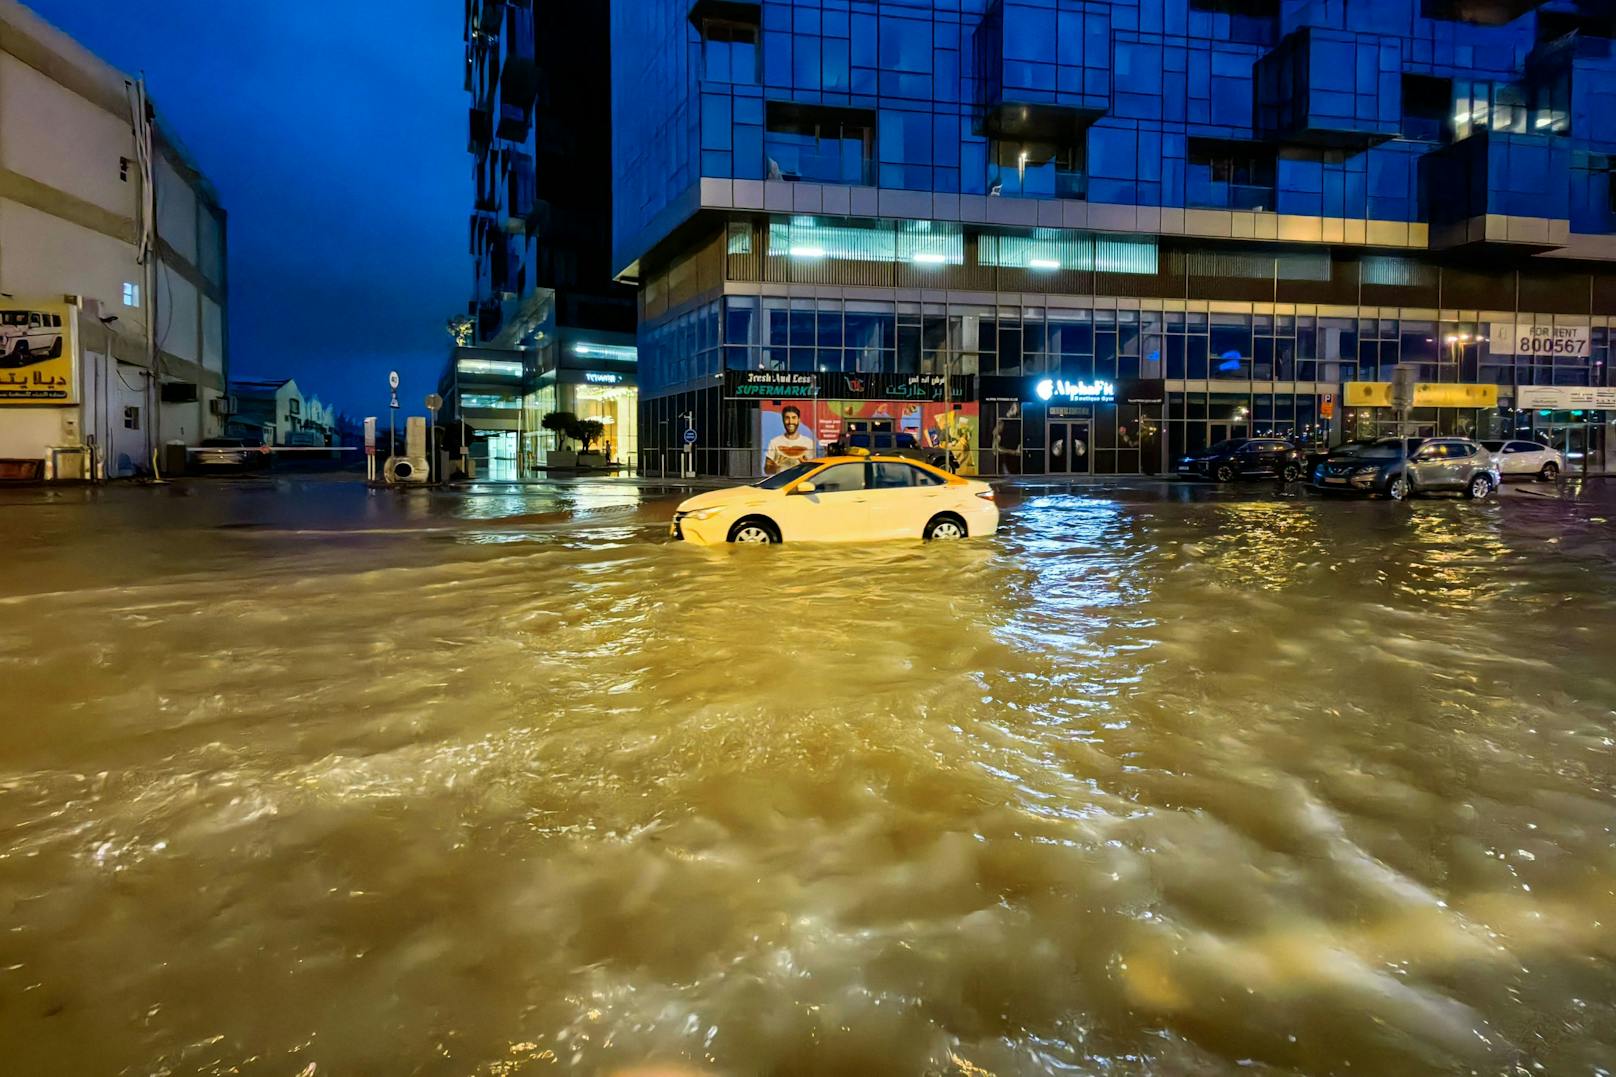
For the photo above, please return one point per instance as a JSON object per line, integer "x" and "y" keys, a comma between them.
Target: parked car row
{"x": 1393, "y": 467}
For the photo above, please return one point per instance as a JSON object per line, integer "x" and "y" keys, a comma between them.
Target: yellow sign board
{"x": 1378, "y": 394}
{"x": 36, "y": 353}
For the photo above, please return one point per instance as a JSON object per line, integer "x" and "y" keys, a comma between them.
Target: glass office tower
{"x": 1077, "y": 236}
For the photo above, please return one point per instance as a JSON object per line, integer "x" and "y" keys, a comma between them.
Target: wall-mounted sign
{"x": 1523, "y": 338}
{"x": 602, "y": 377}
{"x": 37, "y": 350}
{"x": 1076, "y": 392}
{"x": 769, "y": 385}
{"x": 933, "y": 387}
{"x": 839, "y": 385}
{"x": 1073, "y": 391}
{"x": 1378, "y": 394}
{"x": 1565, "y": 398}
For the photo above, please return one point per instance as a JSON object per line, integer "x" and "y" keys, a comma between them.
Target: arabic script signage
{"x": 37, "y": 351}
{"x": 841, "y": 385}
{"x": 1565, "y": 398}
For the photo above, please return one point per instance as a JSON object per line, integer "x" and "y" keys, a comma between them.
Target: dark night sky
{"x": 335, "y": 134}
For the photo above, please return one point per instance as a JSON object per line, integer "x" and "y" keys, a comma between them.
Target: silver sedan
{"x": 1521, "y": 458}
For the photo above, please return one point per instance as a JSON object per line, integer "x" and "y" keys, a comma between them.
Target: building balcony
{"x": 1330, "y": 89}
{"x": 519, "y": 66}
{"x": 1040, "y": 58}
{"x": 514, "y": 122}
{"x": 485, "y": 16}
{"x": 1498, "y": 189}
{"x": 521, "y": 198}
{"x": 482, "y": 130}
{"x": 1481, "y": 12}
{"x": 490, "y": 317}
{"x": 1570, "y": 80}
{"x": 744, "y": 11}
{"x": 506, "y": 276}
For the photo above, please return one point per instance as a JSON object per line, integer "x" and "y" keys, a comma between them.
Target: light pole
{"x": 433, "y": 403}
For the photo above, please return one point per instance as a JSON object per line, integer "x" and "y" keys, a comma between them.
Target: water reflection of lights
{"x": 1265, "y": 544}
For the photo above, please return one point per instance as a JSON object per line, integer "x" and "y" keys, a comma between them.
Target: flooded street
{"x": 300, "y": 778}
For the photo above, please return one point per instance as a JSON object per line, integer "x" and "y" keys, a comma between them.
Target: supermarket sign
{"x": 1522, "y": 338}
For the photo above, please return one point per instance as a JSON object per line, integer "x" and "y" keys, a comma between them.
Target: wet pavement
{"x": 299, "y": 777}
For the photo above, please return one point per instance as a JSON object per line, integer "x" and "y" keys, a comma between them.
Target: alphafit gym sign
{"x": 1059, "y": 390}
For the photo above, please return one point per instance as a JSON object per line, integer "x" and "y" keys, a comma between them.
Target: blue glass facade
{"x": 1366, "y": 155}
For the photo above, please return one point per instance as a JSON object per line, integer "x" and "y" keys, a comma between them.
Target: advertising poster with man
{"x": 36, "y": 353}
{"x": 793, "y": 431}
{"x": 787, "y": 440}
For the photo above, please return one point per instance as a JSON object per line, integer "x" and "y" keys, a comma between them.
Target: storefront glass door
{"x": 1068, "y": 448}
{"x": 1225, "y": 431}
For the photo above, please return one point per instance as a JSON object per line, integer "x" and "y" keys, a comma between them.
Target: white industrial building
{"x": 113, "y": 314}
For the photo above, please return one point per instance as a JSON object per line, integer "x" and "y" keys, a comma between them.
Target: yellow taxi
{"x": 853, "y": 498}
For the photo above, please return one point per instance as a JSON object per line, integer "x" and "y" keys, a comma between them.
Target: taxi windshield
{"x": 781, "y": 480}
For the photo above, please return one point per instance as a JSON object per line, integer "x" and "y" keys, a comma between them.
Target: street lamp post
{"x": 433, "y": 403}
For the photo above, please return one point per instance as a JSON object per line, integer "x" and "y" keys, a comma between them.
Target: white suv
{"x": 1517, "y": 458}
{"x": 27, "y": 336}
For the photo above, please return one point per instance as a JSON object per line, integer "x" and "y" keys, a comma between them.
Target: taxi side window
{"x": 884, "y": 476}
{"x": 890, "y": 476}
{"x": 839, "y": 479}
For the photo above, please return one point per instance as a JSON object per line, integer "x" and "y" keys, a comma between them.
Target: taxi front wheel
{"x": 754, "y": 531}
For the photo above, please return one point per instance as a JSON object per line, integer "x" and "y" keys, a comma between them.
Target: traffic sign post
{"x": 392, "y": 432}
{"x": 690, "y": 436}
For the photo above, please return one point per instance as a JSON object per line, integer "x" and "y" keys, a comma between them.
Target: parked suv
{"x": 1242, "y": 457}
{"x": 1399, "y": 467}
{"x": 27, "y": 336}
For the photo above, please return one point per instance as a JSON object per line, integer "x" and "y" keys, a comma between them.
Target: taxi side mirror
{"x": 804, "y": 488}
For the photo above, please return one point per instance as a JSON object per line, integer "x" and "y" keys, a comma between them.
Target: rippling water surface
{"x": 310, "y": 781}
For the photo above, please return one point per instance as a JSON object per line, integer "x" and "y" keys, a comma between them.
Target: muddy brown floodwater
{"x": 301, "y": 779}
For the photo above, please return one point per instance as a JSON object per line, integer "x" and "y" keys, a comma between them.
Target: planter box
{"x": 558, "y": 459}
{"x": 593, "y": 460}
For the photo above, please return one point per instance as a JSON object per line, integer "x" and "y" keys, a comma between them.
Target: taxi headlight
{"x": 699, "y": 514}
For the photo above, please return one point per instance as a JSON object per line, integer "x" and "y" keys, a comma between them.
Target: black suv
{"x": 1244, "y": 457}
{"x": 888, "y": 443}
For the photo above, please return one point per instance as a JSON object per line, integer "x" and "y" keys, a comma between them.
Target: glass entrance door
{"x": 1068, "y": 448}
{"x": 1583, "y": 445}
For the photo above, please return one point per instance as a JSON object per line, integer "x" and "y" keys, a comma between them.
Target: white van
{"x": 28, "y": 336}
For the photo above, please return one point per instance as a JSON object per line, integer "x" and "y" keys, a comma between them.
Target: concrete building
{"x": 544, "y": 301}
{"x": 1063, "y": 236}
{"x": 109, "y": 233}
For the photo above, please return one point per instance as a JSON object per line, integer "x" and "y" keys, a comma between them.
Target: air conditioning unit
{"x": 222, "y": 406}
{"x": 405, "y": 469}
